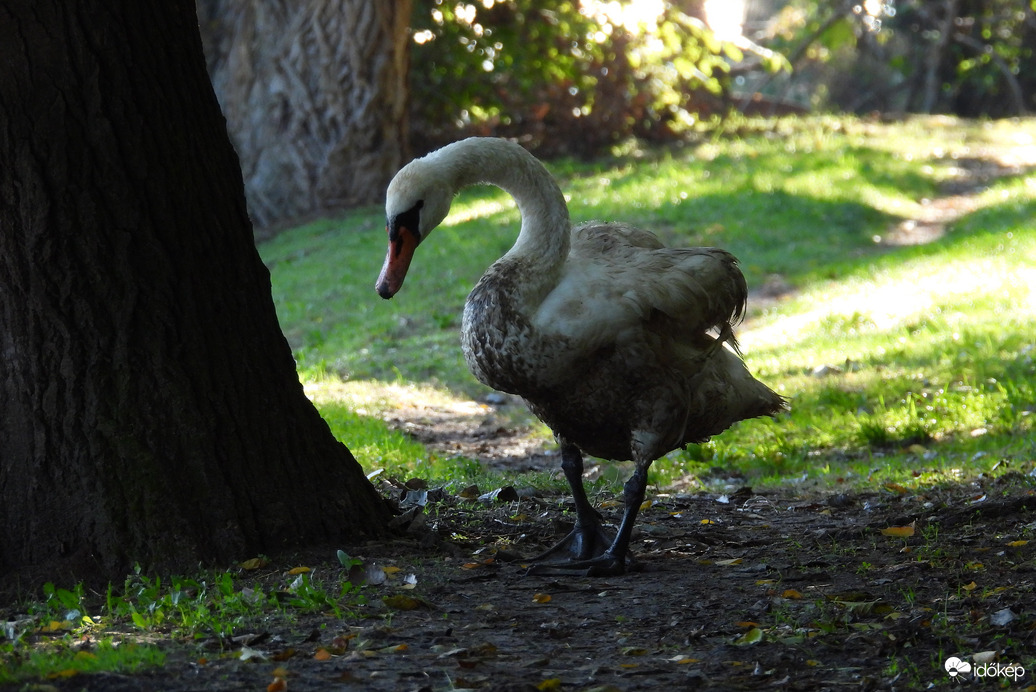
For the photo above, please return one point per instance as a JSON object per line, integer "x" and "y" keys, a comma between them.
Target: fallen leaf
{"x": 1016, "y": 544}
{"x": 646, "y": 504}
{"x": 279, "y": 684}
{"x": 792, "y": 594}
{"x": 280, "y": 672}
{"x": 752, "y": 636}
{"x": 970, "y": 587}
{"x": 896, "y": 488}
{"x": 1002, "y": 617}
{"x": 504, "y": 494}
{"x": 730, "y": 562}
{"x": 255, "y": 563}
{"x": 374, "y": 574}
{"x": 322, "y": 654}
{"x": 747, "y": 623}
{"x": 898, "y": 531}
{"x": 402, "y": 602}
{"x": 248, "y": 653}
{"x": 549, "y": 685}
{"x": 299, "y": 570}
{"x": 707, "y": 521}
{"x": 541, "y": 598}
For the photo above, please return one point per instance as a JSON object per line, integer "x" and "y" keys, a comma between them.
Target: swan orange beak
{"x": 402, "y": 243}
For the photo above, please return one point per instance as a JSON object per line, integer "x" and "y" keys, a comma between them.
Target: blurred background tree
{"x": 969, "y": 58}
{"x": 325, "y": 99}
{"x": 574, "y": 78}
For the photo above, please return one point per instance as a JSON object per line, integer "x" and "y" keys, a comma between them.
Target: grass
{"x": 905, "y": 364}
{"x": 70, "y": 631}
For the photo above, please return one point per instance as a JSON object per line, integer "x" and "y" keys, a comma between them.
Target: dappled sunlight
{"x": 894, "y": 299}
{"x": 376, "y": 398}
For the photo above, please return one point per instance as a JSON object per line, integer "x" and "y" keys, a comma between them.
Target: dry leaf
{"x": 299, "y": 570}
{"x": 279, "y": 684}
{"x": 730, "y": 562}
{"x": 322, "y": 654}
{"x": 752, "y": 636}
{"x": 248, "y": 653}
{"x": 898, "y": 531}
{"x": 792, "y": 593}
{"x": 970, "y": 587}
{"x": 402, "y": 602}
{"x": 541, "y": 598}
{"x": 549, "y": 685}
{"x": 255, "y": 563}
{"x": 1016, "y": 544}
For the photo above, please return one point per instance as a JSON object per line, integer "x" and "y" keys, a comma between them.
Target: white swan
{"x": 615, "y": 341}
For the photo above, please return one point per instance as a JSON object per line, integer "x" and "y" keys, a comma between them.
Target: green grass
{"x": 70, "y": 632}
{"x": 928, "y": 349}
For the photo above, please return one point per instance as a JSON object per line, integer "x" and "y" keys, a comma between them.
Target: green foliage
{"x": 970, "y": 58}
{"x": 574, "y": 77}
{"x": 59, "y": 662}
{"x": 59, "y": 639}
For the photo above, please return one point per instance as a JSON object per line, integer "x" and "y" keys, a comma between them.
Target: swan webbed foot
{"x": 583, "y": 543}
{"x": 604, "y": 565}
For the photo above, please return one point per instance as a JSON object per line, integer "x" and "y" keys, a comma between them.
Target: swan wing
{"x": 619, "y": 278}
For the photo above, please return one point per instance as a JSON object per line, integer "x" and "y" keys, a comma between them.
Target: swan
{"x": 622, "y": 346}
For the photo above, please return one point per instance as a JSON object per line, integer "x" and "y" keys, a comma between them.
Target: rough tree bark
{"x": 149, "y": 406}
{"x": 315, "y": 97}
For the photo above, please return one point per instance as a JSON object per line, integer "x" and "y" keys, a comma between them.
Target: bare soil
{"x": 740, "y": 591}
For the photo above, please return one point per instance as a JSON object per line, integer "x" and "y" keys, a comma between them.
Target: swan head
{"x": 418, "y": 199}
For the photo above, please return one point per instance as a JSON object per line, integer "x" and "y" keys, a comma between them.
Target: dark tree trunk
{"x": 149, "y": 407}
{"x": 315, "y": 97}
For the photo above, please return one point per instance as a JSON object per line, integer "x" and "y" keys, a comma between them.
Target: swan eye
{"x": 409, "y": 220}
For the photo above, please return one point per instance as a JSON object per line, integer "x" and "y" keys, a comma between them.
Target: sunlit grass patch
{"x": 900, "y": 362}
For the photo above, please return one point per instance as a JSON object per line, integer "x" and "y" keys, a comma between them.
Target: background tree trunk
{"x": 149, "y": 406}
{"x": 315, "y": 96}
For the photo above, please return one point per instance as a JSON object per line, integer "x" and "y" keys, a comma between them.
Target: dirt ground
{"x": 735, "y": 590}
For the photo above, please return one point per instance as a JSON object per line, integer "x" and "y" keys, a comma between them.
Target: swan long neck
{"x": 544, "y": 237}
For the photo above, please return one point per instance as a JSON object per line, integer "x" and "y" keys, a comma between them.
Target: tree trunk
{"x": 315, "y": 97}
{"x": 149, "y": 407}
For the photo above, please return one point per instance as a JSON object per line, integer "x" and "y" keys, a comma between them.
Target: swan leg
{"x": 588, "y": 538}
{"x": 615, "y": 559}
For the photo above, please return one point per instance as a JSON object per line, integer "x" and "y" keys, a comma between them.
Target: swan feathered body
{"x": 623, "y": 346}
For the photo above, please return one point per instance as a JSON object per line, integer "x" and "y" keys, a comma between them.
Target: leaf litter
{"x": 774, "y": 589}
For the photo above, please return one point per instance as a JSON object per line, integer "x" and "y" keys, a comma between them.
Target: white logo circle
{"x": 954, "y": 666}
